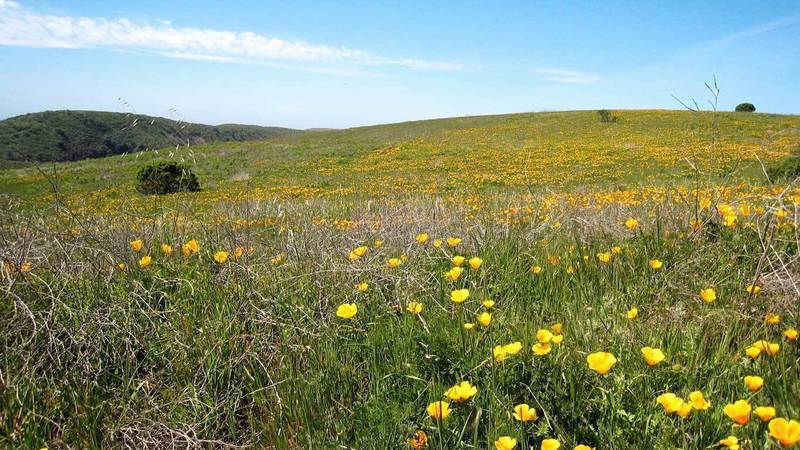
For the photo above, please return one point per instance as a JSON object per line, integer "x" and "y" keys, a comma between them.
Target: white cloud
{"x": 22, "y": 27}
{"x": 567, "y": 76}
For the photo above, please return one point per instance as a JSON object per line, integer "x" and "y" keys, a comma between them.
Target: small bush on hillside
{"x": 606, "y": 116}
{"x": 786, "y": 169}
{"x": 745, "y": 107}
{"x": 166, "y": 178}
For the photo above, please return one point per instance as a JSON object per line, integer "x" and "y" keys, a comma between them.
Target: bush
{"x": 785, "y": 170}
{"x": 606, "y": 116}
{"x": 166, "y": 178}
{"x": 745, "y": 107}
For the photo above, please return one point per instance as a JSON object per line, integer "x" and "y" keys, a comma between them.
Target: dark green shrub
{"x": 166, "y": 177}
{"x": 606, "y": 116}
{"x": 786, "y": 169}
{"x": 745, "y": 107}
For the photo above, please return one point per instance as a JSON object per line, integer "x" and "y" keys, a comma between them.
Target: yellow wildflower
{"x": 772, "y": 318}
{"x": 770, "y": 348}
{"x": 505, "y": 443}
{"x": 550, "y": 444}
{"x": 739, "y": 411}
{"x": 652, "y": 355}
{"x": 670, "y": 402}
{"x": 753, "y": 382}
{"x": 461, "y": 392}
{"x": 453, "y": 241}
{"x": 137, "y": 245}
{"x": 454, "y": 273}
{"x": 765, "y": 413}
{"x": 525, "y": 413}
{"x": 347, "y": 310}
{"x": 790, "y": 334}
{"x": 698, "y": 401}
{"x": 541, "y": 348}
{"x": 513, "y": 348}
{"x": 459, "y": 295}
{"x": 220, "y": 257}
{"x": 475, "y": 263}
{"x": 499, "y": 352}
{"x": 438, "y": 410}
{"x": 730, "y": 442}
{"x": 601, "y": 362}
{"x": 708, "y": 295}
{"x": 544, "y": 336}
{"x": 787, "y": 432}
{"x": 414, "y": 307}
{"x": 753, "y": 289}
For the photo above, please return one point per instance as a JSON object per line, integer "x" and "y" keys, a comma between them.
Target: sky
{"x": 305, "y": 64}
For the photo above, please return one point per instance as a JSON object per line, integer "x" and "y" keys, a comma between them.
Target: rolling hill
{"x": 504, "y": 153}
{"x": 77, "y": 135}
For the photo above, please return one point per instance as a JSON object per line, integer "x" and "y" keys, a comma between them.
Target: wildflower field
{"x": 528, "y": 281}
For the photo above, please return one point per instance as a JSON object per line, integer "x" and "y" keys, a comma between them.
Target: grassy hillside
{"x": 511, "y": 153}
{"x": 77, "y": 135}
{"x": 624, "y": 281}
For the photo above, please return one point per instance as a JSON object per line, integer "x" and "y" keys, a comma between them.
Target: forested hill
{"x": 76, "y": 135}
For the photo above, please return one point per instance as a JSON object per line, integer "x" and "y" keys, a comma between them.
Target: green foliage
{"x": 76, "y": 135}
{"x": 606, "y": 116}
{"x": 251, "y": 354}
{"x": 786, "y": 169}
{"x": 166, "y": 177}
{"x": 423, "y": 151}
{"x": 745, "y": 107}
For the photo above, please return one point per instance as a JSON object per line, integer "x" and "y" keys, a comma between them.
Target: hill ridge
{"x": 73, "y": 135}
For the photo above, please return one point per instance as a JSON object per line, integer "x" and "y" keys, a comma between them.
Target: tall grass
{"x": 249, "y": 353}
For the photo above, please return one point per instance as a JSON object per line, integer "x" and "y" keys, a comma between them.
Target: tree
{"x": 745, "y": 107}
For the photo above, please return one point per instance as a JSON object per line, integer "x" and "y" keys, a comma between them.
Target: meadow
{"x": 527, "y": 281}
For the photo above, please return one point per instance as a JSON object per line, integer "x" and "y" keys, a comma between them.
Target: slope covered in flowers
{"x": 628, "y": 297}
{"x": 520, "y": 152}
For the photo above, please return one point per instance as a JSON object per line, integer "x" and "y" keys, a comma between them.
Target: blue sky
{"x": 337, "y": 64}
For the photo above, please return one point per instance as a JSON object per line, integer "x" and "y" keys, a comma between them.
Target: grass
{"x": 100, "y": 352}
{"x": 508, "y": 153}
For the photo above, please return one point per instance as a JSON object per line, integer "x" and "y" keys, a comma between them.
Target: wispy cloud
{"x": 567, "y": 76}
{"x": 722, "y": 43}
{"x": 20, "y": 26}
{"x": 707, "y": 51}
{"x": 698, "y": 61}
